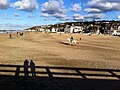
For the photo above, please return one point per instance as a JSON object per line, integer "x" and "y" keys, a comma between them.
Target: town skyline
{"x": 22, "y": 14}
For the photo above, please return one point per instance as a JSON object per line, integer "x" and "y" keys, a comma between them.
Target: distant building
{"x": 53, "y": 30}
{"x": 95, "y": 27}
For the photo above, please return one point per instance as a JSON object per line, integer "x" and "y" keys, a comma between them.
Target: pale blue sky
{"x": 20, "y": 14}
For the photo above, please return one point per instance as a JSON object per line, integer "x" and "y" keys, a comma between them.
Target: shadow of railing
{"x": 62, "y": 78}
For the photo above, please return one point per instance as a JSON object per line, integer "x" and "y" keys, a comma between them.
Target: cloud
{"x": 94, "y": 16}
{"x": 96, "y": 6}
{"x": 30, "y": 16}
{"x": 44, "y": 15}
{"x": 5, "y": 14}
{"x": 113, "y": 0}
{"x": 55, "y": 8}
{"x": 78, "y": 17}
{"x": 46, "y": 19}
{"x": 9, "y": 18}
{"x": 118, "y": 17}
{"x": 76, "y": 7}
{"x": 4, "y": 4}
{"x": 93, "y": 10}
{"x": 18, "y": 19}
{"x": 16, "y": 15}
{"x": 61, "y": 16}
{"x": 26, "y": 5}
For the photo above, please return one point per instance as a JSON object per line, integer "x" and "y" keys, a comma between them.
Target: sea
{"x": 9, "y": 31}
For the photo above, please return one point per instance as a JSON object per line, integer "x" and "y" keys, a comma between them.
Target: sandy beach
{"x": 93, "y": 64}
{"x": 45, "y": 49}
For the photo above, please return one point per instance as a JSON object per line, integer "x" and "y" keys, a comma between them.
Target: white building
{"x": 53, "y": 30}
{"x": 118, "y": 28}
{"x": 76, "y": 29}
{"x": 41, "y": 29}
{"x": 71, "y": 29}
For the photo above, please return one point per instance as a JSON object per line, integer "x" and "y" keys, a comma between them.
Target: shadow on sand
{"x": 58, "y": 78}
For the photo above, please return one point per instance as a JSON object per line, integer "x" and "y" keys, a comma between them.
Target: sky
{"x": 22, "y": 14}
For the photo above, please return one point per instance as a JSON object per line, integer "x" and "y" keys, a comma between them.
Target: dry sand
{"x": 93, "y": 59}
{"x": 46, "y": 50}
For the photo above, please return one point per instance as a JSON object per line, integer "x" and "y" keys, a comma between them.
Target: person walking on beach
{"x": 71, "y": 39}
{"x": 10, "y": 36}
{"x": 26, "y": 62}
{"x": 32, "y": 66}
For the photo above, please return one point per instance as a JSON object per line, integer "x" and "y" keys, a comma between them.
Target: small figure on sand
{"x": 32, "y": 66}
{"x": 71, "y": 39}
{"x": 10, "y": 36}
{"x": 60, "y": 33}
{"x": 26, "y": 62}
{"x": 21, "y": 34}
{"x": 80, "y": 38}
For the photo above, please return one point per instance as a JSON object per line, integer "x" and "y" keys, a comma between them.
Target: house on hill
{"x": 95, "y": 27}
{"x": 73, "y": 28}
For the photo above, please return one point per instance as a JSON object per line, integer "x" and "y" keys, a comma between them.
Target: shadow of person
{"x": 26, "y": 62}
{"x": 32, "y": 67}
{"x": 17, "y": 71}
